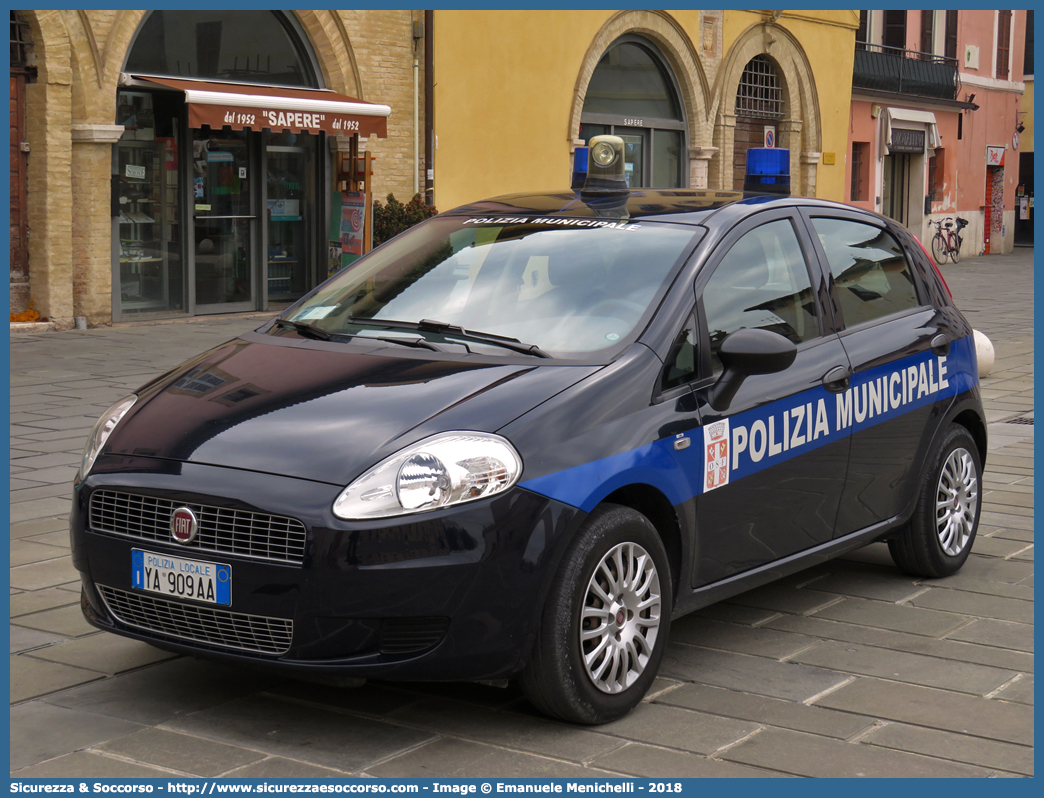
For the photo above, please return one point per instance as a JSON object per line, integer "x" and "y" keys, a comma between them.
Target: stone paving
{"x": 848, "y": 669}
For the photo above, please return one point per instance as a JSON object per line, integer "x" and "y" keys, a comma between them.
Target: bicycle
{"x": 947, "y": 241}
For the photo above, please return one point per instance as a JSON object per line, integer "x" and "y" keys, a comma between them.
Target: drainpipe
{"x": 429, "y": 111}
{"x": 416, "y": 132}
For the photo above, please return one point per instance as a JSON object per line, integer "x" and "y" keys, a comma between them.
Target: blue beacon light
{"x": 579, "y": 167}
{"x": 768, "y": 171}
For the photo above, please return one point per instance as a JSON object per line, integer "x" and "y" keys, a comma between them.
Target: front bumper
{"x": 450, "y": 594}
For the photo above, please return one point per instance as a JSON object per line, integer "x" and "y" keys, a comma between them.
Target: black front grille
{"x": 405, "y": 635}
{"x": 257, "y": 536}
{"x": 216, "y": 627}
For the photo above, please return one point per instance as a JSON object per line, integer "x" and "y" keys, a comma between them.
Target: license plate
{"x": 209, "y": 582}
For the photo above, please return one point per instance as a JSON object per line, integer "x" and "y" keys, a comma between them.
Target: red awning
{"x": 276, "y": 108}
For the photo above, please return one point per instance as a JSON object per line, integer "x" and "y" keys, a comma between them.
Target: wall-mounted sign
{"x": 904, "y": 140}
{"x": 1015, "y": 140}
{"x": 995, "y": 156}
{"x": 770, "y": 136}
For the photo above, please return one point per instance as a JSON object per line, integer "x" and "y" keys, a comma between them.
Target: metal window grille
{"x": 760, "y": 93}
{"x": 933, "y": 177}
{"x": 21, "y": 40}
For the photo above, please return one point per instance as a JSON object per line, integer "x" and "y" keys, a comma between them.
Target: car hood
{"x": 323, "y": 412}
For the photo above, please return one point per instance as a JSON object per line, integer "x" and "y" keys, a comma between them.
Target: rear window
{"x": 870, "y": 269}
{"x": 565, "y": 285}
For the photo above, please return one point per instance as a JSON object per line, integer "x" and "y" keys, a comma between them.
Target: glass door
{"x": 224, "y": 222}
{"x": 634, "y": 140}
{"x": 289, "y": 216}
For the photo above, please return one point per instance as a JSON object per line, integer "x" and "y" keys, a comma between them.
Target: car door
{"x": 774, "y": 462}
{"x": 898, "y": 344}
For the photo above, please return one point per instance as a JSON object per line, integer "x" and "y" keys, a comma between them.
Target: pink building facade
{"x": 934, "y": 128}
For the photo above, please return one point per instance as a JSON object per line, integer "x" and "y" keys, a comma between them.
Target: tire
{"x": 939, "y": 537}
{"x": 955, "y": 250}
{"x": 939, "y": 249}
{"x": 603, "y": 676}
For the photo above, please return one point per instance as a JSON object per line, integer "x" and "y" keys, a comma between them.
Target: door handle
{"x": 941, "y": 344}
{"x": 837, "y": 379}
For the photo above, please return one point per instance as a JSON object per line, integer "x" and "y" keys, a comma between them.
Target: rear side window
{"x": 870, "y": 271}
{"x": 761, "y": 283}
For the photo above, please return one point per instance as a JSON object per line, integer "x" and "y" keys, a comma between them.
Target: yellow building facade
{"x": 513, "y": 90}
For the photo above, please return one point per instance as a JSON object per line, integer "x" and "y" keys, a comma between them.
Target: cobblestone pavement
{"x": 851, "y": 668}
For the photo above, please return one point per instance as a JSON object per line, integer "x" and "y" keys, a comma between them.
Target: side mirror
{"x": 746, "y": 352}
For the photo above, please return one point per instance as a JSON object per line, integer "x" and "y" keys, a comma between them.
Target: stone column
{"x": 720, "y": 168}
{"x": 699, "y": 166}
{"x": 809, "y": 169}
{"x": 788, "y": 134}
{"x": 48, "y": 114}
{"x": 92, "y": 221}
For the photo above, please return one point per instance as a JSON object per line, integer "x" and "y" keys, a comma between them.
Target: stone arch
{"x": 678, "y": 51}
{"x": 50, "y": 44}
{"x": 801, "y": 126}
{"x": 333, "y": 49}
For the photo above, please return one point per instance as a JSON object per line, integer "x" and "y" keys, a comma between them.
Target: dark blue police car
{"x": 518, "y": 439}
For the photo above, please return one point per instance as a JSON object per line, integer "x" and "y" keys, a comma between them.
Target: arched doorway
{"x": 765, "y": 79}
{"x": 633, "y": 94}
{"x": 759, "y": 109}
{"x": 228, "y": 214}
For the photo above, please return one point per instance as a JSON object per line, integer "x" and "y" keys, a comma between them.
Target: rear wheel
{"x": 955, "y": 249}
{"x": 604, "y": 627}
{"x": 939, "y": 537}
{"x": 939, "y": 249}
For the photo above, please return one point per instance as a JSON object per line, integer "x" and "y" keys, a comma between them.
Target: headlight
{"x": 101, "y": 432}
{"x": 445, "y": 469}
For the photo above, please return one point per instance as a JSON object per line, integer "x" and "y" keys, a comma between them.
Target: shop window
{"x": 1003, "y": 43}
{"x": 238, "y": 46}
{"x": 860, "y": 171}
{"x": 633, "y": 95}
{"x": 150, "y": 254}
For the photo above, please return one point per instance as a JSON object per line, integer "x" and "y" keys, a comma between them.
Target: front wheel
{"x": 939, "y": 249}
{"x": 939, "y": 537}
{"x": 604, "y": 627}
{"x": 955, "y": 249}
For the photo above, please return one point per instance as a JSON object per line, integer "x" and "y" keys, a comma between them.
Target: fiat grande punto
{"x": 517, "y": 440}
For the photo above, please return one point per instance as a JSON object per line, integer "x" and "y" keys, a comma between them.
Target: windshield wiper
{"x": 429, "y": 325}
{"x": 419, "y": 343}
{"x": 311, "y": 331}
{"x": 307, "y": 330}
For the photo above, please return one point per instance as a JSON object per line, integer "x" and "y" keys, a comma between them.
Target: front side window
{"x": 870, "y": 270}
{"x": 761, "y": 283}
{"x": 569, "y": 286}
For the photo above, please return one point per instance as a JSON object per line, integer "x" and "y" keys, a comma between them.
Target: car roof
{"x": 682, "y": 206}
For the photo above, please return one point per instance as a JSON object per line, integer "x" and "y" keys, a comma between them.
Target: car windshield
{"x": 561, "y": 285}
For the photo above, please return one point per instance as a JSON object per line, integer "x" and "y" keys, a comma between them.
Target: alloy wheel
{"x": 620, "y": 618}
{"x": 957, "y": 501}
